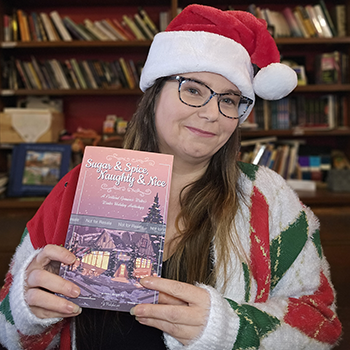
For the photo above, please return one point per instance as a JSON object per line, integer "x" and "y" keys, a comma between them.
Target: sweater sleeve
{"x": 283, "y": 299}
{"x": 19, "y": 327}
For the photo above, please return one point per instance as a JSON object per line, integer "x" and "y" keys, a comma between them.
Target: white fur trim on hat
{"x": 177, "y": 52}
{"x": 275, "y": 81}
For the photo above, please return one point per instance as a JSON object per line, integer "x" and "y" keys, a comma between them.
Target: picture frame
{"x": 37, "y": 167}
{"x": 300, "y": 70}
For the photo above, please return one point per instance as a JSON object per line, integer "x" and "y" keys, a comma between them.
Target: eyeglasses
{"x": 196, "y": 94}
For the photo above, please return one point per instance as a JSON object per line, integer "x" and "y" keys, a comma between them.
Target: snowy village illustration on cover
{"x": 117, "y": 226}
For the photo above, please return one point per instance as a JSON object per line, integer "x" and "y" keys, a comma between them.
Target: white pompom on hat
{"x": 205, "y": 39}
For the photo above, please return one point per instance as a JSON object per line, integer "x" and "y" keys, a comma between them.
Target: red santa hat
{"x": 206, "y": 39}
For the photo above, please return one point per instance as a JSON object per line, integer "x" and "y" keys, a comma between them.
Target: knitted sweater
{"x": 283, "y": 300}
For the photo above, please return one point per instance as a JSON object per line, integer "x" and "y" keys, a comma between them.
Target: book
{"x": 148, "y": 21}
{"x": 75, "y": 30}
{"x": 292, "y": 22}
{"x": 7, "y": 28}
{"x": 327, "y": 32}
{"x": 308, "y": 24}
{"x": 49, "y": 27}
{"x": 123, "y": 29}
{"x": 56, "y": 19}
{"x": 339, "y": 19}
{"x": 313, "y": 17}
{"x": 148, "y": 34}
{"x": 114, "y": 29}
{"x": 328, "y": 17}
{"x": 127, "y": 73}
{"x": 106, "y": 30}
{"x": 133, "y": 27}
{"x": 23, "y": 25}
{"x": 91, "y": 26}
{"x": 117, "y": 226}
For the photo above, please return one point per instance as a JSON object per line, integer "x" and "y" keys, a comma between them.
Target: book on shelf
{"x": 117, "y": 226}
{"x": 339, "y": 19}
{"x": 307, "y": 22}
{"x": 7, "y": 28}
{"x": 133, "y": 27}
{"x": 49, "y": 27}
{"x": 328, "y": 17}
{"x": 313, "y": 18}
{"x": 292, "y": 22}
{"x": 78, "y": 73}
{"x": 147, "y": 33}
{"x": 75, "y": 30}
{"x": 61, "y": 28}
{"x": 148, "y": 21}
{"x": 127, "y": 73}
{"x": 92, "y": 27}
{"x": 122, "y": 27}
{"x": 23, "y": 25}
{"x": 327, "y": 32}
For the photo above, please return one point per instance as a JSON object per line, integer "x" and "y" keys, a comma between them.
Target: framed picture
{"x": 300, "y": 70}
{"x": 37, "y": 167}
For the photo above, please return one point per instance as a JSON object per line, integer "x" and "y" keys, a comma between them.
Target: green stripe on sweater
{"x": 285, "y": 248}
{"x": 249, "y": 169}
{"x": 254, "y": 324}
{"x": 6, "y": 310}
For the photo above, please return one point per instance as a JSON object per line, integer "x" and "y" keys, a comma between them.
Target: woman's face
{"x": 193, "y": 134}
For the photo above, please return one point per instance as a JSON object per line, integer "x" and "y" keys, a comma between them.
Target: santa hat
{"x": 206, "y": 39}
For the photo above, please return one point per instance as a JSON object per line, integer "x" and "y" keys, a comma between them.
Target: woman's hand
{"x": 182, "y": 310}
{"x": 42, "y": 281}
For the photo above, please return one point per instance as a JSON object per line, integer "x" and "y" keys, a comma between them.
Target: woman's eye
{"x": 193, "y": 91}
{"x": 229, "y": 101}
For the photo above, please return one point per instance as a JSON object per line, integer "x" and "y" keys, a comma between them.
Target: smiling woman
{"x": 244, "y": 266}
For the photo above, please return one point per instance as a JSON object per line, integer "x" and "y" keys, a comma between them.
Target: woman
{"x": 244, "y": 264}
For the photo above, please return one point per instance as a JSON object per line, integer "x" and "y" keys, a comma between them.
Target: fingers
{"x": 51, "y": 282}
{"x": 55, "y": 253}
{"x": 47, "y": 305}
{"x": 182, "y": 291}
{"x": 182, "y": 311}
{"x": 42, "y": 282}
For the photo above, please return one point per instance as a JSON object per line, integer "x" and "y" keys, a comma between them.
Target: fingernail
{"x": 132, "y": 311}
{"x": 74, "y": 309}
{"x": 75, "y": 292}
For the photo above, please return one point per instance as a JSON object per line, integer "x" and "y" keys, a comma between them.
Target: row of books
{"x": 304, "y": 21}
{"x": 332, "y": 68}
{"x": 42, "y": 26}
{"x": 292, "y": 159}
{"x": 325, "y": 112}
{"x": 53, "y": 74}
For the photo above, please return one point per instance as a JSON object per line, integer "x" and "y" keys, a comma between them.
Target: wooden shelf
{"x": 73, "y": 44}
{"x": 314, "y": 41}
{"x": 322, "y": 197}
{"x": 71, "y": 92}
{"x": 21, "y": 203}
{"x": 295, "y": 132}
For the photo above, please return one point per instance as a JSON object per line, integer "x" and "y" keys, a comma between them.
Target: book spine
{"x": 131, "y": 24}
{"x": 39, "y": 73}
{"x": 148, "y": 21}
{"x": 50, "y": 30}
{"x": 38, "y": 36}
{"x": 14, "y": 26}
{"x": 313, "y": 17}
{"x": 105, "y": 30}
{"x": 56, "y": 19}
{"x": 143, "y": 28}
{"x": 308, "y": 24}
{"x": 120, "y": 35}
{"x": 78, "y": 73}
{"x": 42, "y": 29}
{"x": 97, "y": 32}
{"x": 75, "y": 29}
{"x": 89, "y": 74}
{"x": 323, "y": 22}
{"x": 23, "y": 74}
{"x": 127, "y": 34}
{"x": 7, "y": 28}
{"x": 72, "y": 75}
{"x": 127, "y": 73}
{"x": 301, "y": 24}
{"x": 328, "y": 17}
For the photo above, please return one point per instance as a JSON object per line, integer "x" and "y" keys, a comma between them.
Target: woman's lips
{"x": 200, "y": 132}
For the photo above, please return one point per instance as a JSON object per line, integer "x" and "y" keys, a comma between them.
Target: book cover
{"x": 117, "y": 226}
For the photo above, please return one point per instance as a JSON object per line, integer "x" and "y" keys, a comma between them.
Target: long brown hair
{"x": 208, "y": 205}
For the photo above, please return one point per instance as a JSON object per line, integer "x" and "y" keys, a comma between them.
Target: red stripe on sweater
{"x": 260, "y": 246}
{"x": 6, "y": 287}
{"x": 43, "y": 340}
{"x": 311, "y": 314}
